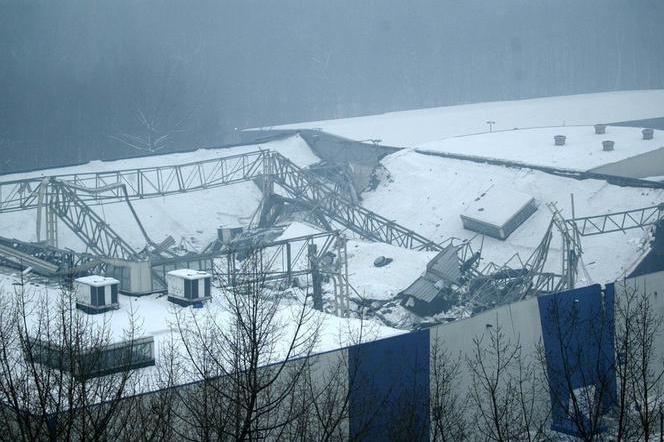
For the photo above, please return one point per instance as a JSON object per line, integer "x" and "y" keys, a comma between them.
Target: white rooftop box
{"x": 498, "y": 212}
{"x": 187, "y": 286}
{"x": 96, "y": 294}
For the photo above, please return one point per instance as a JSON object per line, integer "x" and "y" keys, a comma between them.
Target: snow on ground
{"x": 367, "y": 281}
{"x": 416, "y": 127}
{"x": 156, "y": 316}
{"x": 427, "y": 194}
{"x": 582, "y": 149}
{"x": 194, "y": 216}
{"x": 297, "y": 230}
{"x": 294, "y": 148}
{"x": 383, "y": 283}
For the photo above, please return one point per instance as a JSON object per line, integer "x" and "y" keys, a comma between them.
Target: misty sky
{"x": 83, "y": 79}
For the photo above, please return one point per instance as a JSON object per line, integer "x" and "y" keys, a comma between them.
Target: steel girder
{"x": 146, "y": 182}
{"x": 302, "y": 185}
{"x": 619, "y": 221}
{"x": 95, "y": 233}
{"x": 166, "y": 180}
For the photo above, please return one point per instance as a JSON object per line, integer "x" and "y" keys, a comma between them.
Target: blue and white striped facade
{"x": 390, "y": 380}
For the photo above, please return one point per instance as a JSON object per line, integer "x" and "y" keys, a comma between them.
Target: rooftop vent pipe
{"x": 559, "y": 140}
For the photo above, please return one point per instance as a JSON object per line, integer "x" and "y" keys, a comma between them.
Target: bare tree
{"x": 448, "y": 408}
{"x": 639, "y": 373}
{"x": 166, "y": 109}
{"x": 504, "y": 390}
{"x": 52, "y": 370}
{"x": 577, "y": 364}
{"x": 246, "y": 356}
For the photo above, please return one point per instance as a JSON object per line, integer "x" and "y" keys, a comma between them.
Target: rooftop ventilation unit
{"x": 187, "y": 287}
{"x": 96, "y": 294}
{"x": 498, "y": 212}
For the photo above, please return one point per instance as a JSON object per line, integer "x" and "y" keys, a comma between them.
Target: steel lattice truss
{"x": 98, "y": 236}
{"x": 146, "y": 182}
{"x": 302, "y": 185}
{"x": 167, "y": 180}
{"x": 278, "y": 259}
{"x": 619, "y": 221}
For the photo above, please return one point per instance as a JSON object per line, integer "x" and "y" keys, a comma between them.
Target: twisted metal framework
{"x": 167, "y": 180}
{"x": 619, "y": 221}
{"x": 148, "y": 182}
{"x": 70, "y": 195}
{"x": 304, "y": 186}
{"x": 278, "y": 260}
{"x": 95, "y": 233}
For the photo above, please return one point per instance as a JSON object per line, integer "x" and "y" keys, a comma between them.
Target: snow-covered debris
{"x": 383, "y": 283}
{"x": 427, "y": 194}
{"x": 193, "y": 217}
{"x": 297, "y": 230}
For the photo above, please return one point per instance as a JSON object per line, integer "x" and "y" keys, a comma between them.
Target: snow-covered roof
{"x": 416, "y": 127}
{"x": 368, "y": 281}
{"x": 155, "y": 316}
{"x": 97, "y": 281}
{"x": 582, "y": 149}
{"x": 189, "y": 274}
{"x": 432, "y": 192}
{"x": 295, "y": 148}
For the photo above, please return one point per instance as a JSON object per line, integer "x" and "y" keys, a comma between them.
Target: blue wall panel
{"x": 577, "y": 332}
{"x": 389, "y": 388}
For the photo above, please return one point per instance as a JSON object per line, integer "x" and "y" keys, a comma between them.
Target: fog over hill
{"x": 82, "y": 79}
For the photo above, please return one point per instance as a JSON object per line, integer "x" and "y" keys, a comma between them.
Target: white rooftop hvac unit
{"x": 498, "y": 212}
{"x": 187, "y": 287}
{"x": 96, "y": 294}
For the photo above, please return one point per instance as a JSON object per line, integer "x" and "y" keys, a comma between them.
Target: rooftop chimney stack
{"x": 607, "y": 145}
